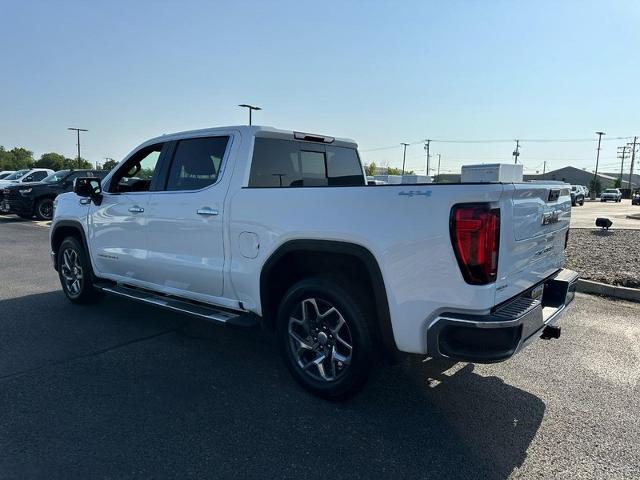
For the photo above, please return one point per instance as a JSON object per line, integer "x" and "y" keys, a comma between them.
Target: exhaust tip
{"x": 551, "y": 331}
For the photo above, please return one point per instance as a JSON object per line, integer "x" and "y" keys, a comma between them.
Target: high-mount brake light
{"x": 309, "y": 137}
{"x": 475, "y": 236}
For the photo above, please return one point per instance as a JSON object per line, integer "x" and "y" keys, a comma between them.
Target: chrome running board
{"x": 196, "y": 309}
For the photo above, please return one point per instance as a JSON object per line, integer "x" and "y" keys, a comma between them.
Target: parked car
{"x": 248, "y": 225}
{"x": 611, "y": 194}
{"x": 635, "y": 198}
{"x": 26, "y": 175}
{"x": 577, "y": 195}
{"x": 6, "y": 173}
{"x": 29, "y": 199}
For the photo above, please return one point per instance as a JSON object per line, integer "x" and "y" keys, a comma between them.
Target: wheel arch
{"x": 296, "y": 259}
{"x": 63, "y": 229}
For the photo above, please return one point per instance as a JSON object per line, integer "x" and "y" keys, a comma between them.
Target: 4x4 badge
{"x": 411, "y": 193}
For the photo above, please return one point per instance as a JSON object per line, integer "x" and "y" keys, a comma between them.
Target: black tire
{"x": 349, "y": 305}
{"x": 73, "y": 263}
{"x": 582, "y": 202}
{"x": 44, "y": 209}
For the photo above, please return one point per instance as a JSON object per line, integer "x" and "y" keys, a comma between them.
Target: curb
{"x": 615, "y": 291}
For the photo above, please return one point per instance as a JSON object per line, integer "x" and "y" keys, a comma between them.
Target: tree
{"x": 15, "y": 159}
{"x": 370, "y": 169}
{"x": 77, "y": 163}
{"x": 398, "y": 171}
{"x": 51, "y": 160}
{"x": 595, "y": 186}
{"x": 110, "y": 164}
{"x": 618, "y": 183}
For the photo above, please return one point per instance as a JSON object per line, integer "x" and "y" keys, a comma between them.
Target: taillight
{"x": 475, "y": 236}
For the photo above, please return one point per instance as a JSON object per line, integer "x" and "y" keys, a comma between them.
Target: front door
{"x": 185, "y": 221}
{"x": 117, "y": 226}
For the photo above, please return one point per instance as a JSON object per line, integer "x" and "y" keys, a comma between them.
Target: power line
{"x": 522, "y": 140}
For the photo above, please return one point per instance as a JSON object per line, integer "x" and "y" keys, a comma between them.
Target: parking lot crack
{"x": 93, "y": 353}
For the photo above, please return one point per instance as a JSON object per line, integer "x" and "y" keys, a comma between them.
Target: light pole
{"x": 595, "y": 174}
{"x": 404, "y": 155}
{"x": 438, "y": 175}
{"x": 516, "y": 152}
{"x": 251, "y": 108}
{"x": 427, "y": 144}
{"x": 78, "y": 130}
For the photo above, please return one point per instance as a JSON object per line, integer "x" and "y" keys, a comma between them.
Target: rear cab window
{"x": 290, "y": 163}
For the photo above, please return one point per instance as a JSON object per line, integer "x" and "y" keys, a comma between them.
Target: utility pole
{"x": 633, "y": 158}
{"x": 516, "y": 152}
{"x": 438, "y": 175}
{"x": 544, "y": 167}
{"x": 251, "y": 108}
{"x": 404, "y": 155}
{"x": 622, "y": 152}
{"x": 595, "y": 174}
{"x": 427, "y": 144}
{"x": 78, "y": 130}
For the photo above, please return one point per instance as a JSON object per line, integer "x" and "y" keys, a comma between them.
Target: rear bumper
{"x": 507, "y": 329}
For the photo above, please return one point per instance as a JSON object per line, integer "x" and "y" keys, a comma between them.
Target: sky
{"x": 379, "y": 72}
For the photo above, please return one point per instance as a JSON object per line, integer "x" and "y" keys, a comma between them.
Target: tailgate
{"x": 534, "y": 225}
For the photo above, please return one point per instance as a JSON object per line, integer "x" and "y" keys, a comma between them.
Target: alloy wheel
{"x": 71, "y": 271}
{"x": 320, "y": 340}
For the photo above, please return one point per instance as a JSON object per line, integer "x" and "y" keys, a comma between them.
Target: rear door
{"x": 534, "y": 225}
{"x": 185, "y": 220}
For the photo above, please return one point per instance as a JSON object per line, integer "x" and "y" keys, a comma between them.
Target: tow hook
{"x": 550, "y": 331}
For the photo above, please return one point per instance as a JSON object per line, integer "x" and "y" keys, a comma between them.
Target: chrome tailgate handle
{"x": 207, "y": 211}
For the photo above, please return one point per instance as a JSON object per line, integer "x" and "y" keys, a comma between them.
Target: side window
{"x": 343, "y": 167}
{"x": 138, "y": 172}
{"x": 275, "y": 164}
{"x": 196, "y": 163}
{"x": 286, "y": 163}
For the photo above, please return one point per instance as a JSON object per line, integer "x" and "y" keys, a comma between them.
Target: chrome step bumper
{"x": 508, "y": 328}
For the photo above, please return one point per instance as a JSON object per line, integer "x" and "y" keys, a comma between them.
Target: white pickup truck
{"x": 247, "y": 225}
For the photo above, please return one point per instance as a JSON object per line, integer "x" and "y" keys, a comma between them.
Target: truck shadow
{"x": 119, "y": 387}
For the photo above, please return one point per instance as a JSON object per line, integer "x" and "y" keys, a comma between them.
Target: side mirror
{"x": 88, "y": 187}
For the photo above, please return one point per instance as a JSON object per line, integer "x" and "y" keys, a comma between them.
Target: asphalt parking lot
{"x": 123, "y": 390}
{"x": 585, "y": 216}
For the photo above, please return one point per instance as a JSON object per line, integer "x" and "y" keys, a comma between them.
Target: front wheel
{"x": 324, "y": 337}
{"x": 582, "y": 202}
{"x": 44, "y": 209}
{"x": 74, "y": 270}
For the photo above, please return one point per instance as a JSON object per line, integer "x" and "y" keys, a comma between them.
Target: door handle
{"x": 136, "y": 209}
{"x": 207, "y": 211}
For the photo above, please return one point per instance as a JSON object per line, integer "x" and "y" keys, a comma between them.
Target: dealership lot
{"x": 119, "y": 389}
{"x": 585, "y": 216}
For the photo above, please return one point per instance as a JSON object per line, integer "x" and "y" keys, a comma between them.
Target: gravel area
{"x": 609, "y": 257}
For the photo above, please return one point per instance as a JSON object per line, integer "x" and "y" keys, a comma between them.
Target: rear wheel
{"x": 582, "y": 202}
{"x": 324, "y": 337}
{"x": 74, "y": 270}
{"x": 44, "y": 209}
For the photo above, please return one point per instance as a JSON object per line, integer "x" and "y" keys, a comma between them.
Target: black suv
{"x": 29, "y": 199}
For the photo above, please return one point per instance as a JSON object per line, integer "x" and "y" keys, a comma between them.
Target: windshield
{"x": 56, "y": 177}
{"x": 608, "y": 190}
{"x": 17, "y": 174}
{"x": 4, "y": 175}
